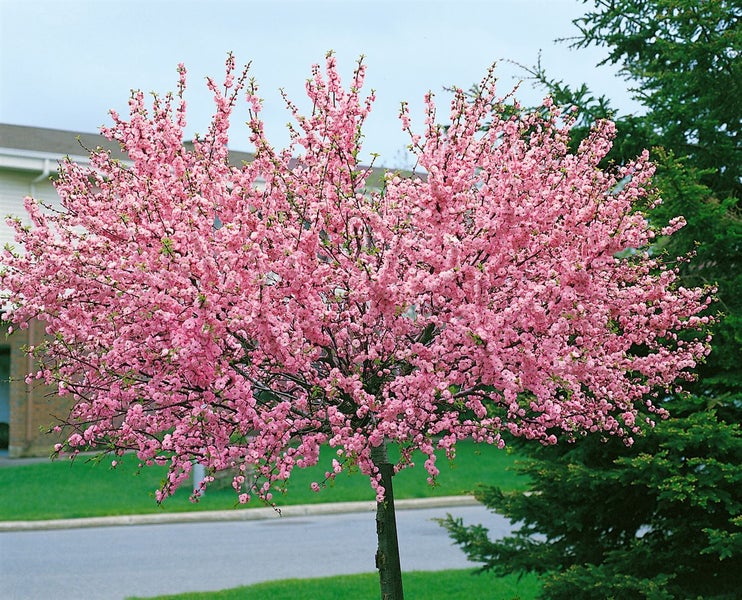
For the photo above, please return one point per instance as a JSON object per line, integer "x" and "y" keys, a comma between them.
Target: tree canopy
{"x": 204, "y": 311}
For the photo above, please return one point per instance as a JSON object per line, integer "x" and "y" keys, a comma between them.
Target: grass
{"x": 84, "y": 488}
{"x": 441, "y": 585}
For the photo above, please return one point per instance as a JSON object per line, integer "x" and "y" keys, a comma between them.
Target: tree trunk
{"x": 387, "y": 555}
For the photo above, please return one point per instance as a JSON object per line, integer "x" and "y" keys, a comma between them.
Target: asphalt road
{"x": 104, "y": 563}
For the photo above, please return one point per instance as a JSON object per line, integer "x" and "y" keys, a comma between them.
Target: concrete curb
{"x": 247, "y": 514}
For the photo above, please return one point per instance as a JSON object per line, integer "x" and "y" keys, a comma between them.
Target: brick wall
{"x": 34, "y": 407}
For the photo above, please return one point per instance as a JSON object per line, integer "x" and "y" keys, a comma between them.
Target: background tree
{"x": 682, "y": 58}
{"x": 243, "y": 317}
{"x": 661, "y": 519}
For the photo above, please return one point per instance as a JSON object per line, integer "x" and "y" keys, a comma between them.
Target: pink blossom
{"x": 485, "y": 299}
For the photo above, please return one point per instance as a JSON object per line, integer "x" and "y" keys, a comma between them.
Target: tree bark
{"x": 387, "y": 554}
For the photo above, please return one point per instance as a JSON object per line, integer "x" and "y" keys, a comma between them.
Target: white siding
{"x": 14, "y": 187}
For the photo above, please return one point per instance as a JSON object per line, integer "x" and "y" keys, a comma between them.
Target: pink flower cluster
{"x": 243, "y": 316}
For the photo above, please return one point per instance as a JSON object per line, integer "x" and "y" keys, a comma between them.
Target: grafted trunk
{"x": 387, "y": 554}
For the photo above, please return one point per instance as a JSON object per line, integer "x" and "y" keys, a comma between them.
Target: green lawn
{"x": 84, "y": 488}
{"x": 441, "y": 585}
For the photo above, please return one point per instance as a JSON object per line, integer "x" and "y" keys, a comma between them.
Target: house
{"x": 28, "y": 161}
{"x": 29, "y": 157}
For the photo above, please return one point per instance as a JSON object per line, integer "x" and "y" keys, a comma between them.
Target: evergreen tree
{"x": 660, "y": 519}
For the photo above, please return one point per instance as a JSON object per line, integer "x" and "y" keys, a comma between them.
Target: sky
{"x": 65, "y": 63}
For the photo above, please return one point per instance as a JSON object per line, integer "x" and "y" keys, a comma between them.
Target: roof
{"x": 54, "y": 141}
{"x": 61, "y": 142}
{"x": 41, "y": 142}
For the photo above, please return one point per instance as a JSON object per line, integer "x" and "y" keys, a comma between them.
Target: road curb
{"x": 247, "y": 514}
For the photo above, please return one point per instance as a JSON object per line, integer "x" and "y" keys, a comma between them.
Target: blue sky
{"x": 65, "y": 63}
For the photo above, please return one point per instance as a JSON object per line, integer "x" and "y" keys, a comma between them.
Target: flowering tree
{"x": 244, "y": 316}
